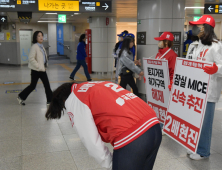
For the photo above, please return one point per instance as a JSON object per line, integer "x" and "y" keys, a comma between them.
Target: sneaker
{"x": 163, "y": 134}
{"x": 21, "y": 102}
{"x": 89, "y": 80}
{"x": 189, "y": 152}
{"x": 197, "y": 157}
{"x": 71, "y": 78}
{"x": 48, "y": 104}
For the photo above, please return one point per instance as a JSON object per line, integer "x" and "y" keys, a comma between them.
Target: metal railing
{"x": 67, "y": 46}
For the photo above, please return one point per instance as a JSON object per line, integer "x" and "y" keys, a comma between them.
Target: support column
{"x": 103, "y": 42}
{"x": 158, "y": 16}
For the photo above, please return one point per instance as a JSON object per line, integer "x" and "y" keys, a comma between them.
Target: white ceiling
{"x": 120, "y": 9}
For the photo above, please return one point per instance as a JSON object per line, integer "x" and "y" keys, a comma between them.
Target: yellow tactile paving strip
{"x": 79, "y": 75}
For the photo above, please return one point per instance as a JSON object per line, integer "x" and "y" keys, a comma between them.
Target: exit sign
{"x": 62, "y": 18}
{"x": 196, "y": 18}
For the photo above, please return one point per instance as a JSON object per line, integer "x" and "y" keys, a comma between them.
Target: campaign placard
{"x": 156, "y": 73}
{"x": 187, "y": 103}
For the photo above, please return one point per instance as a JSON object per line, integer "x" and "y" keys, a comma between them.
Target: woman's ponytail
{"x": 57, "y": 105}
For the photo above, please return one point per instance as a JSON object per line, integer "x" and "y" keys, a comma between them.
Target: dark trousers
{"x": 139, "y": 154}
{"x": 129, "y": 79}
{"x": 35, "y": 75}
{"x": 79, "y": 64}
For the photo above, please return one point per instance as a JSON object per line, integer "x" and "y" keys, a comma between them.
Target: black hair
{"x": 194, "y": 38}
{"x": 208, "y": 36}
{"x": 83, "y": 36}
{"x": 125, "y": 46}
{"x": 127, "y": 32}
{"x": 60, "y": 95}
{"x": 35, "y": 35}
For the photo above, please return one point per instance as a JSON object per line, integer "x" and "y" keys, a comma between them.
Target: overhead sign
{"x": 157, "y": 80}
{"x": 95, "y": 6}
{"x": 75, "y": 6}
{"x": 213, "y": 9}
{"x": 58, "y": 5}
{"x": 141, "y": 38}
{"x": 61, "y": 18}
{"x": 3, "y": 19}
{"x": 18, "y": 5}
{"x": 187, "y": 103}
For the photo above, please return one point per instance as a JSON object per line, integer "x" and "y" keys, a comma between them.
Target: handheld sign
{"x": 157, "y": 80}
{"x": 187, "y": 103}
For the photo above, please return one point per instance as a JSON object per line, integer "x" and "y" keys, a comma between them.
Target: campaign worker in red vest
{"x": 166, "y": 53}
{"x": 106, "y": 112}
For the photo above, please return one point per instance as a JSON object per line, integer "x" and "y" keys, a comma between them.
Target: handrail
{"x": 67, "y": 46}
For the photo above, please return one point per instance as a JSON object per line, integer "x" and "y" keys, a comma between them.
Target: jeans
{"x": 35, "y": 75}
{"x": 161, "y": 125}
{"x": 141, "y": 153}
{"x": 206, "y": 133}
{"x": 79, "y": 64}
{"x": 129, "y": 79}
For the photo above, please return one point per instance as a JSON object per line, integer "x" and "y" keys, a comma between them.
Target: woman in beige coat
{"x": 38, "y": 62}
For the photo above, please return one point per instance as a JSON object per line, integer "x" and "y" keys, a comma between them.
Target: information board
{"x": 141, "y": 38}
{"x": 187, "y": 103}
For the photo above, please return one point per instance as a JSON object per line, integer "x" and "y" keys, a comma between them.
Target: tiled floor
{"x": 29, "y": 142}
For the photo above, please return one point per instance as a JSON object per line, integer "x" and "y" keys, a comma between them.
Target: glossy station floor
{"x": 29, "y": 142}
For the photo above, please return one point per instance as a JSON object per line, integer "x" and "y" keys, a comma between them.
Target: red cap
{"x": 165, "y": 36}
{"x": 205, "y": 19}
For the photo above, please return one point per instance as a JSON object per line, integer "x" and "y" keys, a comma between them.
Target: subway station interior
{"x": 28, "y": 141}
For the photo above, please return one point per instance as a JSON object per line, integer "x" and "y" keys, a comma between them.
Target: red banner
{"x": 89, "y": 49}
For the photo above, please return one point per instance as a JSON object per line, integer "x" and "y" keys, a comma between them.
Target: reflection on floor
{"x": 29, "y": 142}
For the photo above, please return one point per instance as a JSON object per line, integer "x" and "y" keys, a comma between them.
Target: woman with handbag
{"x": 38, "y": 62}
{"x": 127, "y": 66}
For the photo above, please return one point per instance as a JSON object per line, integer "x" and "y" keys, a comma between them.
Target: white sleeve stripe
{"x": 136, "y": 134}
{"x": 135, "y": 131}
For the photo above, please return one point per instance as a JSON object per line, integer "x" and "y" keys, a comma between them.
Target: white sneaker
{"x": 189, "y": 152}
{"x": 196, "y": 157}
{"x": 21, "y": 102}
{"x": 48, "y": 104}
{"x": 163, "y": 134}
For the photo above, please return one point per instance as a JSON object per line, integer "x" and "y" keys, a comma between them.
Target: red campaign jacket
{"x": 105, "y": 112}
{"x": 171, "y": 57}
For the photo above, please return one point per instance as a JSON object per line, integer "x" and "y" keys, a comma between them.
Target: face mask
{"x": 196, "y": 30}
{"x": 119, "y": 38}
{"x": 160, "y": 44}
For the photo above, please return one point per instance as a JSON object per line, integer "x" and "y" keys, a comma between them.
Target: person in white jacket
{"x": 38, "y": 62}
{"x": 106, "y": 112}
{"x": 207, "y": 49}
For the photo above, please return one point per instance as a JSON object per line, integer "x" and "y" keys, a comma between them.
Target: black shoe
{"x": 89, "y": 80}
{"x": 71, "y": 78}
{"x": 21, "y": 102}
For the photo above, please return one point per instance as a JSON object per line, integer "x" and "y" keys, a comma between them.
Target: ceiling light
{"x": 76, "y": 13}
{"x": 47, "y": 21}
{"x": 195, "y": 7}
{"x": 51, "y": 13}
